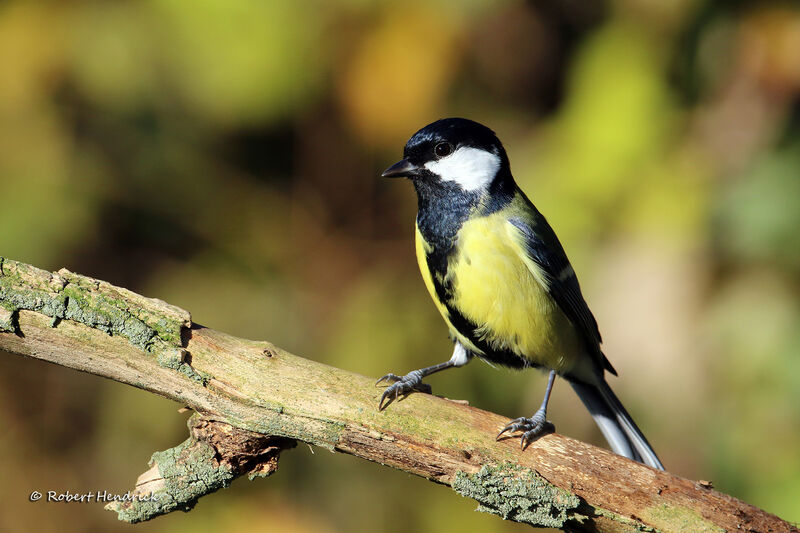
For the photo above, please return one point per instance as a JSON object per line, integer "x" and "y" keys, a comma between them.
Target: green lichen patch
{"x": 189, "y": 471}
{"x": 149, "y": 324}
{"x": 145, "y": 322}
{"x": 679, "y": 519}
{"x": 518, "y": 494}
{"x": 7, "y": 314}
{"x": 626, "y": 524}
{"x": 213, "y": 456}
{"x": 176, "y": 360}
{"x": 25, "y": 287}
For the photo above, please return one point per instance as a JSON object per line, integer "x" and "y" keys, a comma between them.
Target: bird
{"x": 501, "y": 281}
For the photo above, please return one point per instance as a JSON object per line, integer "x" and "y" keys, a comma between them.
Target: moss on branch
{"x": 213, "y": 456}
{"x": 147, "y": 323}
{"x": 255, "y": 400}
{"x": 519, "y": 494}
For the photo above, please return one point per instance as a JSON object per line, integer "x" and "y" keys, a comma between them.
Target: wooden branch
{"x": 253, "y": 400}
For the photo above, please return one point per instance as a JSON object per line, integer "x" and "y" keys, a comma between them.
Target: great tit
{"x": 501, "y": 280}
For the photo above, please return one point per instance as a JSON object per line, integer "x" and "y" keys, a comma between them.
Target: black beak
{"x": 401, "y": 169}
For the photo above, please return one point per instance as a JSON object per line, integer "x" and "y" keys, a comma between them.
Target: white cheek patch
{"x": 470, "y": 168}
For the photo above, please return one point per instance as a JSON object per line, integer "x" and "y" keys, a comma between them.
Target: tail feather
{"x": 615, "y": 423}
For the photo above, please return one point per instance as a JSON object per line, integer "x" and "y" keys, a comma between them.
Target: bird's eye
{"x": 443, "y": 149}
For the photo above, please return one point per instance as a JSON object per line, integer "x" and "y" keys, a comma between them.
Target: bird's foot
{"x": 532, "y": 428}
{"x": 401, "y": 386}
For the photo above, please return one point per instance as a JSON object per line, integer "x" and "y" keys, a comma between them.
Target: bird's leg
{"x": 537, "y": 425}
{"x": 410, "y": 382}
{"x": 403, "y": 385}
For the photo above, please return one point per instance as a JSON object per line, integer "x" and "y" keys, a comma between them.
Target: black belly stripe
{"x": 467, "y": 328}
{"x": 443, "y": 209}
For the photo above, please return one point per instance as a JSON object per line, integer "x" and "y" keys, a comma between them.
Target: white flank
{"x": 460, "y": 357}
{"x": 470, "y": 168}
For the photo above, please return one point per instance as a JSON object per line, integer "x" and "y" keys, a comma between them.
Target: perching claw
{"x": 403, "y": 385}
{"x": 536, "y": 426}
{"x": 532, "y": 428}
{"x": 412, "y": 381}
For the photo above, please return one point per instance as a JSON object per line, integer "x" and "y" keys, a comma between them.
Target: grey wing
{"x": 543, "y": 247}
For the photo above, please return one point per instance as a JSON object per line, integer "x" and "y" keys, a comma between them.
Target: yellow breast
{"x": 498, "y": 288}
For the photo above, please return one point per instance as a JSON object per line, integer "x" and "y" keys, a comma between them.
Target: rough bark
{"x": 253, "y": 400}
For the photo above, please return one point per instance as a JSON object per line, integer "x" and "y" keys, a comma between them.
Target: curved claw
{"x": 388, "y": 377}
{"x": 386, "y": 394}
{"x": 393, "y": 389}
{"x": 529, "y": 436}
{"x": 402, "y": 385}
{"x": 512, "y": 426}
{"x": 531, "y": 428}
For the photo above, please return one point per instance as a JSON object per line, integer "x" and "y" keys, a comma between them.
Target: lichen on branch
{"x": 519, "y": 494}
{"x": 254, "y": 399}
{"x": 147, "y": 323}
{"x": 213, "y": 456}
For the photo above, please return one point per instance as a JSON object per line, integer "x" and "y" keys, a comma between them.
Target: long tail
{"x": 616, "y": 424}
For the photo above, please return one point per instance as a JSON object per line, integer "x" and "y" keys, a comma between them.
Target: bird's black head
{"x": 453, "y": 152}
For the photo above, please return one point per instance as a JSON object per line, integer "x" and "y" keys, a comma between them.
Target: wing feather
{"x": 543, "y": 248}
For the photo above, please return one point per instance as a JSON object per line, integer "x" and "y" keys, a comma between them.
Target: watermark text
{"x": 102, "y": 496}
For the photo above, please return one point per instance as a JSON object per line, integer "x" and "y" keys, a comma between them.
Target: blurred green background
{"x": 224, "y": 157}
